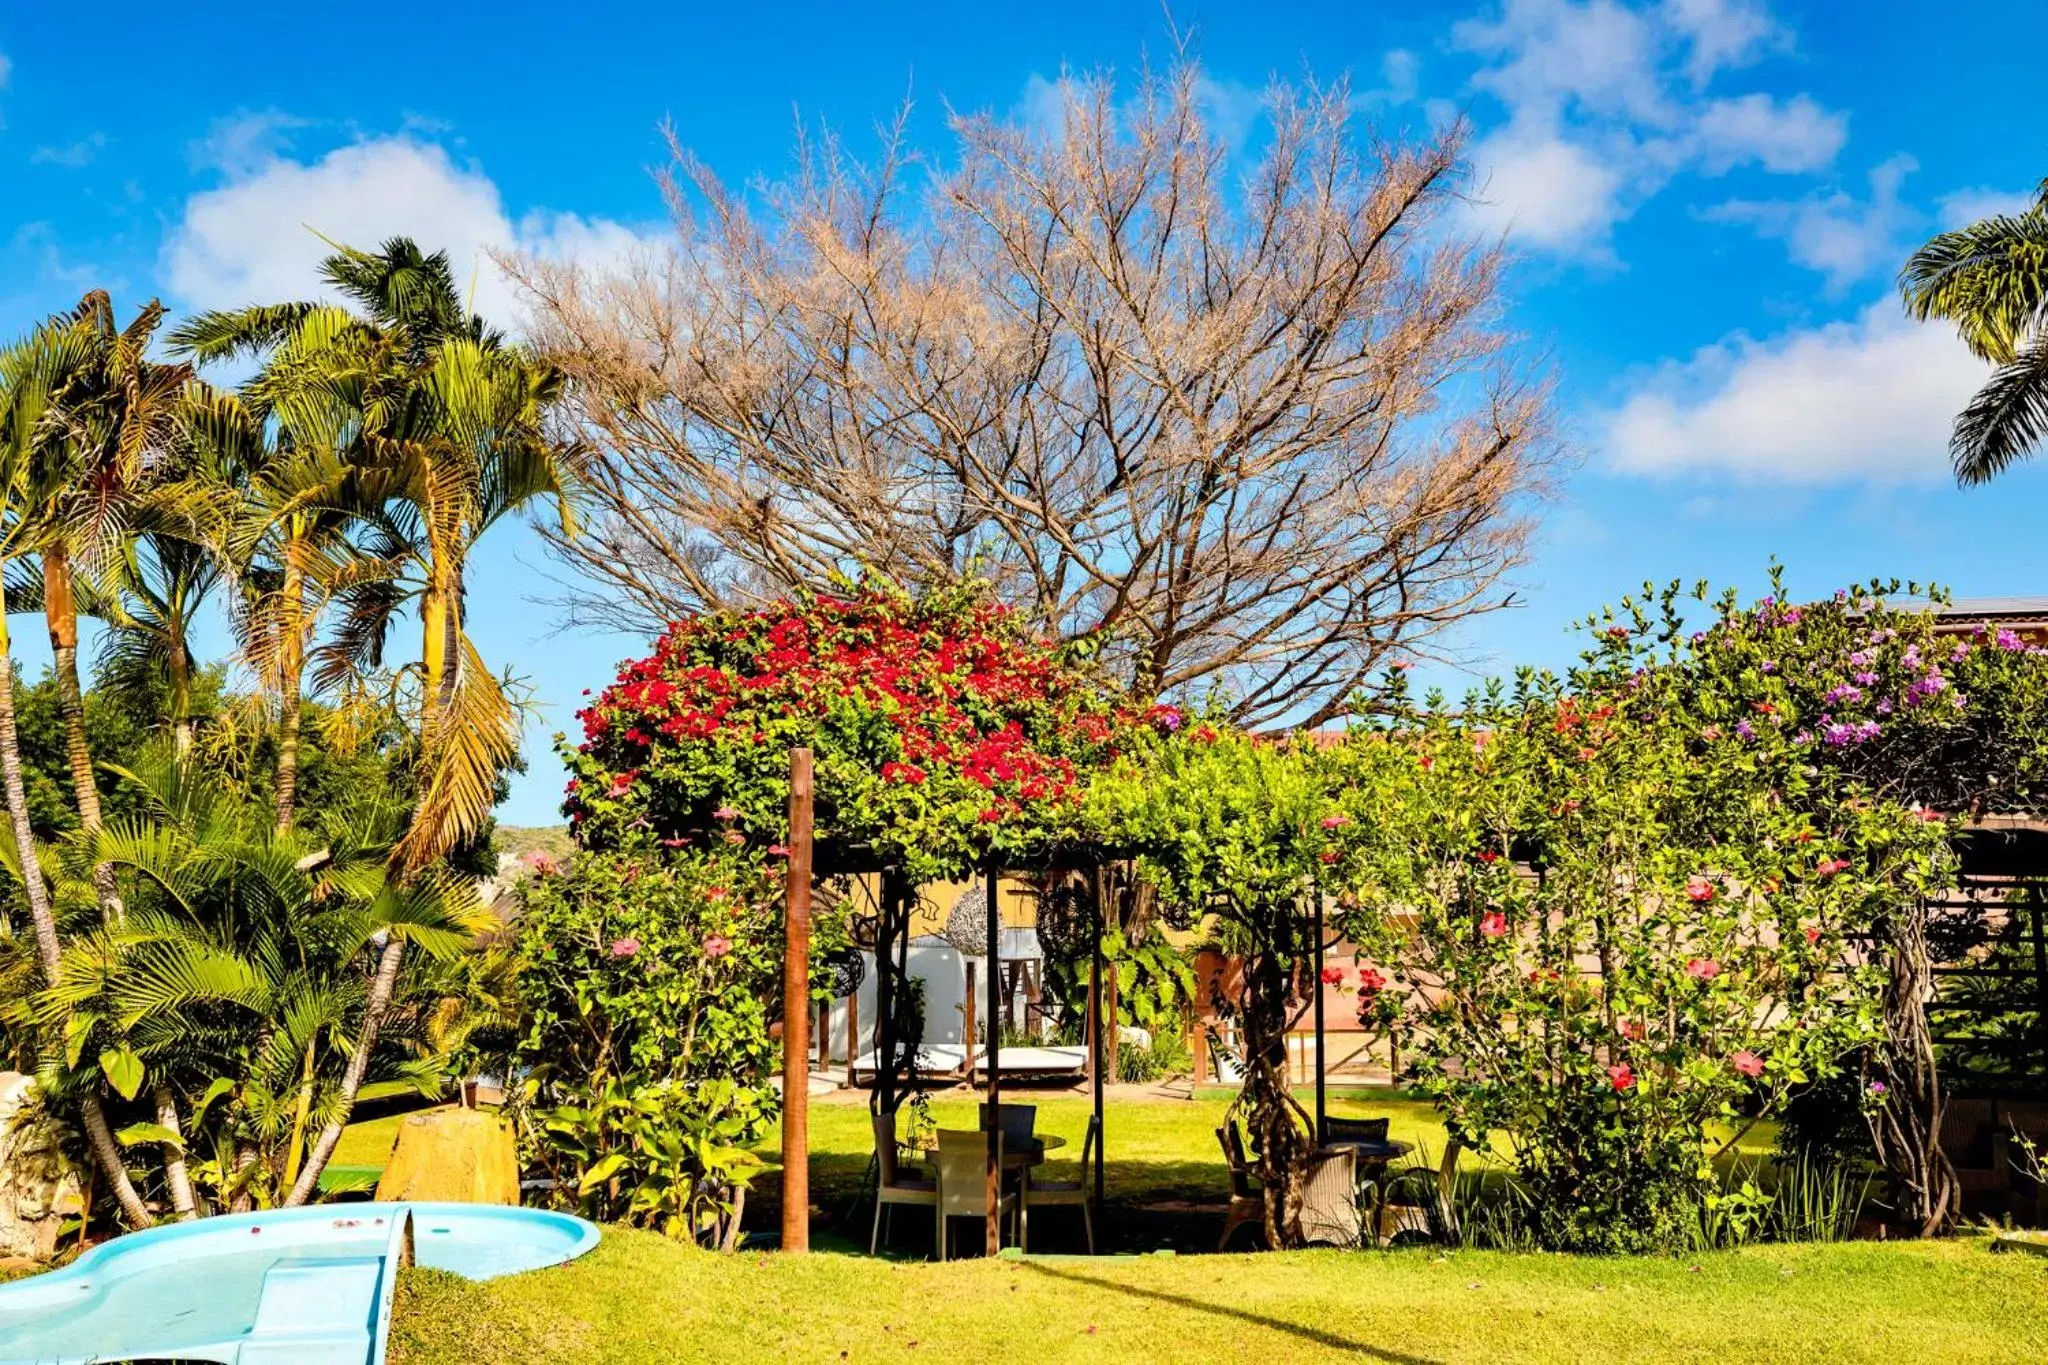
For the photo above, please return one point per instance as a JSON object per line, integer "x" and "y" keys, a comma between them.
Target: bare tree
{"x": 1248, "y": 418}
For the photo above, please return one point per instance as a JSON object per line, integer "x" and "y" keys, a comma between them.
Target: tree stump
{"x": 464, "y": 1155}
{"x": 38, "y": 1187}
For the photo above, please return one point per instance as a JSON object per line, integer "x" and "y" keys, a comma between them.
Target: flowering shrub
{"x": 644, "y": 1039}
{"x": 1243, "y": 833}
{"x": 941, "y": 733}
{"x": 1618, "y": 905}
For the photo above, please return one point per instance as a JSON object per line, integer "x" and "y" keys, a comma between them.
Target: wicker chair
{"x": 1354, "y": 1130}
{"x": 1421, "y": 1198}
{"x": 1329, "y": 1200}
{"x": 963, "y": 1180}
{"x": 891, "y": 1188}
{"x": 1062, "y": 1193}
{"x": 1246, "y": 1203}
{"x": 1018, "y": 1121}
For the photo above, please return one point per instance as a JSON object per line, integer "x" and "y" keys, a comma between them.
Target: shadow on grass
{"x": 1317, "y": 1335}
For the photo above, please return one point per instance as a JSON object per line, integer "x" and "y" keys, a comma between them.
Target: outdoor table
{"x": 1034, "y": 1155}
{"x": 1371, "y": 1153}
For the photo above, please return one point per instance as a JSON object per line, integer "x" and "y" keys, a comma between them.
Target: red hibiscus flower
{"x": 1487, "y": 855}
{"x": 1333, "y": 976}
{"x": 1699, "y": 889}
{"x": 625, "y": 947}
{"x": 1830, "y": 867}
{"x": 1748, "y": 1063}
{"x": 716, "y": 945}
{"x": 1370, "y": 981}
{"x": 1621, "y": 1076}
{"x": 1702, "y": 968}
{"x": 1493, "y": 924}
{"x": 1337, "y": 821}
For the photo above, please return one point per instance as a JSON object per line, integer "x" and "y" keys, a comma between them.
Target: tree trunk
{"x": 291, "y": 668}
{"x": 61, "y": 611}
{"x": 175, "y": 1174}
{"x": 49, "y": 949}
{"x": 1906, "y": 1126}
{"x": 374, "y": 1010}
{"x": 181, "y": 699}
{"x": 301, "y": 1114}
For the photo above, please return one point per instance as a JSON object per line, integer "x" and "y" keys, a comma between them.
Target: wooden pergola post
{"x": 995, "y": 1066}
{"x": 796, "y": 1013}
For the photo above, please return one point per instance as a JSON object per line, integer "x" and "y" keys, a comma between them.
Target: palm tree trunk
{"x": 106, "y": 1152}
{"x": 181, "y": 699}
{"x": 382, "y": 986}
{"x": 291, "y": 667}
{"x": 175, "y": 1174}
{"x": 60, "y": 609}
{"x": 301, "y": 1114}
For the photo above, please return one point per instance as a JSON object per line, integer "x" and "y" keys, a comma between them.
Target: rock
{"x": 39, "y": 1187}
{"x": 465, "y": 1155}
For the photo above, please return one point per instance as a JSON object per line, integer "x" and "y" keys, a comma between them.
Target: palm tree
{"x": 101, "y": 453}
{"x": 439, "y": 421}
{"x": 1990, "y": 279}
{"x": 32, "y": 375}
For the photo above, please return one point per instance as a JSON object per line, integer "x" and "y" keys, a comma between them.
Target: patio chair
{"x": 963, "y": 1180}
{"x": 1246, "y": 1203}
{"x": 1017, "y": 1120}
{"x": 1329, "y": 1200}
{"x": 1355, "y": 1130}
{"x": 1421, "y": 1198}
{"x": 891, "y": 1187}
{"x": 1078, "y": 1194}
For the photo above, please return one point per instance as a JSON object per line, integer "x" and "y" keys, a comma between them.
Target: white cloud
{"x": 1963, "y": 207}
{"x": 1723, "y": 33}
{"x": 1551, "y": 55}
{"x": 71, "y": 156}
{"x": 1783, "y": 137}
{"x": 259, "y": 236}
{"x": 1544, "y": 190}
{"x": 1604, "y": 106}
{"x": 1402, "y": 72}
{"x": 1842, "y": 237}
{"x": 1870, "y": 399}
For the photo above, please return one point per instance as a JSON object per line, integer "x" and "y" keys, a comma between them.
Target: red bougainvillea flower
{"x": 625, "y": 947}
{"x": 1812, "y": 932}
{"x": 1931, "y": 815}
{"x": 1337, "y": 821}
{"x": 675, "y": 841}
{"x": 542, "y": 864}
{"x": 1371, "y": 981}
{"x": 778, "y": 851}
{"x": 1829, "y": 867}
{"x": 908, "y": 773}
{"x": 1206, "y": 734}
{"x": 1329, "y": 855}
{"x": 1698, "y": 889}
{"x": 1425, "y": 762}
{"x": 716, "y": 945}
{"x": 1621, "y": 1076}
{"x": 1493, "y": 924}
{"x": 715, "y": 893}
{"x": 725, "y": 813}
{"x": 1487, "y": 855}
{"x": 1333, "y": 976}
{"x": 1702, "y": 968}
{"x": 1748, "y": 1063}
{"x": 1633, "y": 1030}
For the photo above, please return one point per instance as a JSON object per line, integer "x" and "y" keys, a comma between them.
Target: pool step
{"x": 315, "y": 1310}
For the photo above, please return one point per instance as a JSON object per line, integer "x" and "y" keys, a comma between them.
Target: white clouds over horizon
{"x": 1870, "y": 399}
{"x": 258, "y": 236}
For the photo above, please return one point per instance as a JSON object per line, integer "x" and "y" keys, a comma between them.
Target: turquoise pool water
{"x": 297, "y": 1285}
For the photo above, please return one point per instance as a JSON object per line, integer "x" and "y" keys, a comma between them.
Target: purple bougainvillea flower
{"x": 2009, "y": 642}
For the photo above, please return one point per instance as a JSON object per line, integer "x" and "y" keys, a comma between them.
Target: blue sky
{"x": 1708, "y": 201}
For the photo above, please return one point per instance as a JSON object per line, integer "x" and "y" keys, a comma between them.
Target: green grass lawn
{"x": 639, "y": 1298}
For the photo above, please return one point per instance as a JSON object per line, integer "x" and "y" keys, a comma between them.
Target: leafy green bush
{"x": 644, "y": 1049}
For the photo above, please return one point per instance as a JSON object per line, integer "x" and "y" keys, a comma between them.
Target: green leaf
{"x": 123, "y": 1070}
{"x": 137, "y": 1134}
{"x": 222, "y": 1085}
{"x": 604, "y": 1170}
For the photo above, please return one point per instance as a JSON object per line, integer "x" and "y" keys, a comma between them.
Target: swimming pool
{"x": 308, "y": 1286}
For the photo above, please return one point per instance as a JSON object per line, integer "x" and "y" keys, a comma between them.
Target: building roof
{"x": 1996, "y": 609}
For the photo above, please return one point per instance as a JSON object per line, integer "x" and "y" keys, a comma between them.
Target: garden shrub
{"x": 645, "y": 1002}
{"x": 1613, "y": 906}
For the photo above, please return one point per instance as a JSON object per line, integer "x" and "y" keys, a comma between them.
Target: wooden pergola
{"x": 810, "y": 857}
